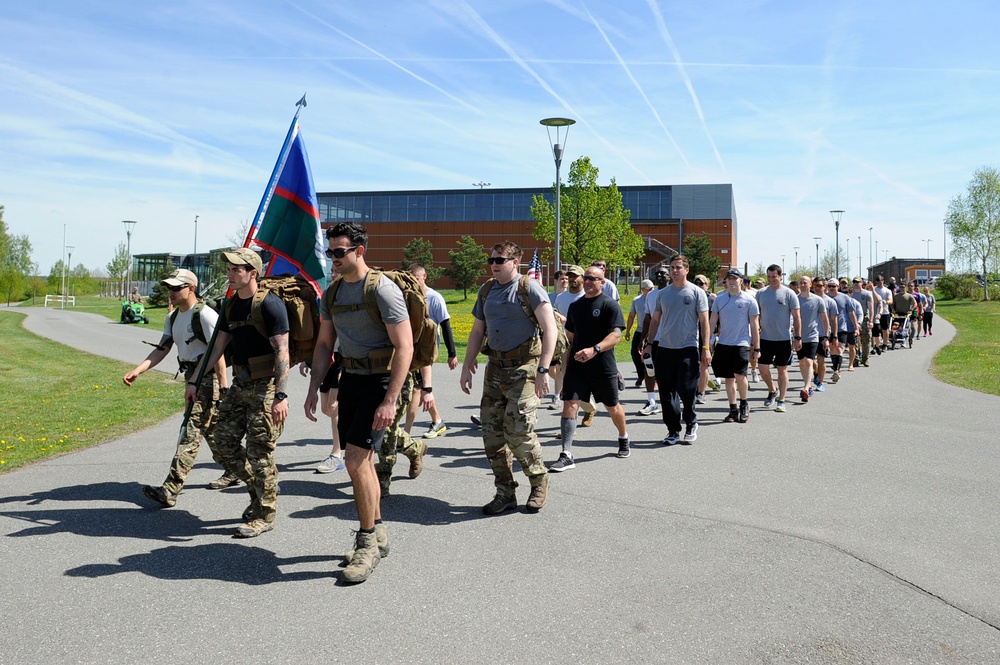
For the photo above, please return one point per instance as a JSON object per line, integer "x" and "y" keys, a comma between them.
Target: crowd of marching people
{"x": 542, "y": 350}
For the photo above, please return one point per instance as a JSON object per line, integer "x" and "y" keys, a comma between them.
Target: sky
{"x": 159, "y": 112}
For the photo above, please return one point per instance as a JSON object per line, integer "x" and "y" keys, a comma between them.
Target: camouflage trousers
{"x": 397, "y": 439}
{"x": 509, "y": 411}
{"x": 201, "y": 423}
{"x": 866, "y": 340}
{"x": 246, "y": 411}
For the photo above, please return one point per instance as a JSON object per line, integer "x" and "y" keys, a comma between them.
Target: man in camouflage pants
{"x": 398, "y": 440}
{"x": 516, "y": 377}
{"x": 256, "y": 406}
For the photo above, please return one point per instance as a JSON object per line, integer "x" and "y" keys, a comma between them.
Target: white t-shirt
{"x": 189, "y": 348}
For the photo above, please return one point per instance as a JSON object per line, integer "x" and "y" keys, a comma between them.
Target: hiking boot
{"x": 744, "y": 412}
{"x": 248, "y": 514}
{"x": 588, "y": 419}
{"x": 253, "y": 529}
{"x": 691, "y": 433}
{"x": 771, "y": 395}
{"x": 623, "y": 447}
{"x": 734, "y": 416}
{"x": 160, "y": 495}
{"x": 500, "y": 504}
{"x": 671, "y": 438}
{"x": 804, "y": 394}
{"x": 330, "y": 464}
{"x": 539, "y": 493}
{"x": 381, "y": 538}
{"x": 650, "y": 409}
{"x": 364, "y": 560}
{"x": 564, "y": 463}
{"x": 416, "y": 462}
{"x": 225, "y": 480}
{"x": 779, "y": 406}
{"x": 435, "y": 430}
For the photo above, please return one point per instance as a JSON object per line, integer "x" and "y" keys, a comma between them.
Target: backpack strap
{"x": 368, "y": 301}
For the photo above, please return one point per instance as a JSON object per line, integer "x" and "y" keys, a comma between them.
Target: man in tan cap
{"x": 189, "y": 327}
{"x": 257, "y": 405}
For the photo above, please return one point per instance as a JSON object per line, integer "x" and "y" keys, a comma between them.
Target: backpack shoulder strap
{"x": 196, "y": 327}
{"x": 371, "y": 285}
{"x": 522, "y": 297}
{"x": 257, "y": 311}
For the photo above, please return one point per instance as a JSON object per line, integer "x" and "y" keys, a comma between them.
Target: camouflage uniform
{"x": 509, "y": 413}
{"x": 202, "y": 422}
{"x": 246, "y": 410}
{"x": 397, "y": 439}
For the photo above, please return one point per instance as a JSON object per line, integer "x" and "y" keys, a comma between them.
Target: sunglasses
{"x": 590, "y": 278}
{"x": 340, "y": 252}
{"x": 499, "y": 260}
{"x": 698, "y": 282}
{"x": 178, "y": 289}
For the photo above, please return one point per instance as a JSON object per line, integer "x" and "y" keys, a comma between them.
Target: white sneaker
{"x": 650, "y": 409}
{"x": 435, "y": 430}
{"x": 754, "y": 376}
{"x": 330, "y": 464}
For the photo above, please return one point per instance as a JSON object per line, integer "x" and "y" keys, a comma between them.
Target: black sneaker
{"x": 733, "y": 416}
{"x": 623, "y": 449}
{"x": 564, "y": 463}
{"x": 744, "y": 412}
{"x": 672, "y": 438}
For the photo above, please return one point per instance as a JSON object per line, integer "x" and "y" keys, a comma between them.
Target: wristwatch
{"x": 543, "y": 370}
{"x": 428, "y": 389}
{"x": 597, "y": 348}
{"x": 280, "y": 396}
{"x": 797, "y": 338}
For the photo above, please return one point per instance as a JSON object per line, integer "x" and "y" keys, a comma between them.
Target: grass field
{"x": 972, "y": 359}
{"x": 56, "y": 399}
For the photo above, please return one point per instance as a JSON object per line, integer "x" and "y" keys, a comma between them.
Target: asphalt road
{"x": 861, "y": 527}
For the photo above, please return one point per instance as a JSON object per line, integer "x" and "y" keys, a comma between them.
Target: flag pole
{"x": 278, "y": 165}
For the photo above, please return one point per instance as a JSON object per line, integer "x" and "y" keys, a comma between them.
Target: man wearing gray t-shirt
{"x": 736, "y": 313}
{"x": 681, "y": 321}
{"x": 516, "y": 376}
{"x": 779, "y": 307}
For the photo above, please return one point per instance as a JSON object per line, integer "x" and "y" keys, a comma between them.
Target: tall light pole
{"x": 859, "y": 256}
{"x": 782, "y": 268}
{"x": 817, "y": 239}
{"x": 69, "y": 272}
{"x": 481, "y": 184}
{"x": 928, "y": 243}
{"x": 195, "y": 234}
{"x": 848, "y": 254}
{"x": 557, "y": 154}
{"x": 796, "y": 258}
{"x": 870, "y": 263}
{"x": 837, "y": 214}
{"x": 129, "y": 225}
{"x": 64, "y": 269}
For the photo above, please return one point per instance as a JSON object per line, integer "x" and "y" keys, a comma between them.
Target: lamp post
{"x": 782, "y": 268}
{"x": 195, "y": 235}
{"x": 817, "y": 239}
{"x": 870, "y": 262}
{"x": 557, "y": 153}
{"x": 848, "y": 255}
{"x": 796, "y": 266}
{"x": 481, "y": 184}
{"x": 129, "y": 225}
{"x": 928, "y": 243}
{"x": 837, "y": 214}
{"x": 63, "y": 286}
{"x": 859, "y": 256}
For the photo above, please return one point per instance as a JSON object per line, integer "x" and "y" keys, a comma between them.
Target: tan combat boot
{"x": 539, "y": 493}
{"x": 381, "y": 537}
{"x": 365, "y": 558}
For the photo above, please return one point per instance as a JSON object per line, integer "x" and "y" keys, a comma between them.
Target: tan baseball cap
{"x": 181, "y": 277}
{"x": 244, "y": 257}
{"x": 575, "y": 270}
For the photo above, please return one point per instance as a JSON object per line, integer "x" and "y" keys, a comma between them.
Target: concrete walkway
{"x": 861, "y": 527}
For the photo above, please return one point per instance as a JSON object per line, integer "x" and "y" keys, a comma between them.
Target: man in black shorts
{"x": 815, "y": 333}
{"x": 369, "y": 392}
{"x": 593, "y": 325}
{"x": 737, "y": 314}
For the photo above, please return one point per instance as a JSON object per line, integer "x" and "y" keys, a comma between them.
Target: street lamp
{"x": 782, "y": 268}
{"x": 848, "y": 256}
{"x": 837, "y": 214}
{"x": 817, "y": 239}
{"x": 796, "y": 266}
{"x": 481, "y": 184}
{"x": 870, "y": 262}
{"x": 859, "y": 256}
{"x": 557, "y": 154}
{"x": 63, "y": 288}
{"x": 129, "y": 225}
{"x": 69, "y": 273}
{"x": 928, "y": 243}
{"x": 195, "y": 235}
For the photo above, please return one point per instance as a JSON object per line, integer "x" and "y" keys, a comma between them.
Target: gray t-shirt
{"x": 565, "y": 299}
{"x": 638, "y": 309}
{"x": 507, "y": 326}
{"x": 812, "y": 309}
{"x": 735, "y": 313}
{"x": 776, "y": 307}
{"x": 843, "y": 307}
{"x": 886, "y": 296}
{"x": 832, "y": 311}
{"x": 679, "y": 308}
{"x": 866, "y": 299}
{"x": 356, "y": 331}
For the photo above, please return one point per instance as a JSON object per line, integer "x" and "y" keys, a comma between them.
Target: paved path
{"x": 861, "y": 527}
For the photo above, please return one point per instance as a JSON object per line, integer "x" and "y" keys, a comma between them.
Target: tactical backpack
{"x": 196, "y": 327}
{"x": 300, "y": 300}
{"x": 562, "y": 339}
{"x": 422, "y": 326}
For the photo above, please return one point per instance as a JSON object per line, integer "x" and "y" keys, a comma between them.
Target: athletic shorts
{"x": 877, "y": 327}
{"x": 808, "y": 350}
{"x": 822, "y": 352}
{"x": 851, "y": 338}
{"x": 332, "y": 379}
{"x": 730, "y": 361}
{"x": 843, "y": 336}
{"x": 359, "y": 398}
{"x": 580, "y": 386}
{"x": 775, "y": 353}
{"x": 884, "y": 321}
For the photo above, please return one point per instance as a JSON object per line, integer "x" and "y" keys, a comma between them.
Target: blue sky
{"x": 158, "y": 112}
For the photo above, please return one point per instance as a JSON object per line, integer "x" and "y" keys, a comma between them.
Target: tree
{"x": 466, "y": 265}
{"x": 160, "y": 295}
{"x": 15, "y": 263}
{"x": 828, "y": 264}
{"x": 55, "y": 281}
{"x": 698, "y": 250}
{"x": 420, "y": 250}
{"x": 239, "y": 236}
{"x": 973, "y": 220}
{"x": 594, "y": 224}
{"x": 118, "y": 268}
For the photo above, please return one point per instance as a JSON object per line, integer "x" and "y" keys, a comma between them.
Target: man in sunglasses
{"x": 179, "y": 330}
{"x": 256, "y": 406}
{"x": 609, "y": 289}
{"x": 516, "y": 376}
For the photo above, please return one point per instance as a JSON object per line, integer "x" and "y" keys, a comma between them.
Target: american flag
{"x": 535, "y": 267}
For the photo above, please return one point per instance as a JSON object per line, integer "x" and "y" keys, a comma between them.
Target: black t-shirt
{"x": 247, "y": 342}
{"x": 590, "y": 320}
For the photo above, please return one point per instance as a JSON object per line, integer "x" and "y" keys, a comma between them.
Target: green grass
{"x": 972, "y": 359}
{"x": 56, "y": 399}
{"x": 110, "y": 308}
